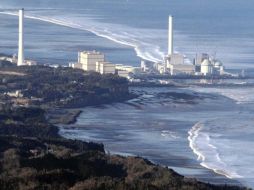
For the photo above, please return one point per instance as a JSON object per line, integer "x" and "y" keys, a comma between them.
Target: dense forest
{"x": 63, "y": 87}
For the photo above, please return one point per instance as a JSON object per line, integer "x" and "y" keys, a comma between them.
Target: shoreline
{"x": 214, "y": 173}
{"x": 68, "y": 116}
{"x": 36, "y": 125}
{"x": 44, "y": 157}
{"x": 222, "y": 180}
{"x": 193, "y": 134}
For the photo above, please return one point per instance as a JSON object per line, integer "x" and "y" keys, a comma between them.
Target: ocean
{"x": 200, "y": 133}
{"x": 123, "y": 29}
{"x": 198, "y": 139}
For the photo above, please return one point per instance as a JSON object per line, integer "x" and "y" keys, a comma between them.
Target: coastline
{"x": 68, "y": 116}
{"x": 38, "y": 156}
{"x": 193, "y": 134}
{"x": 221, "y": 179}
{"x": 218, "y": 178}
{"x": 35, "y": 124}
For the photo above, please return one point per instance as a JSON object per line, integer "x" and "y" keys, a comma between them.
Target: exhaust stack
{"x": 170, "y": 36}
{"x": 21, "y": 38}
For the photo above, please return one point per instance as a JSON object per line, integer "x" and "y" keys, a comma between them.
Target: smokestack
{"x": 170, "y": 35}
{"x": 21, "y": 38}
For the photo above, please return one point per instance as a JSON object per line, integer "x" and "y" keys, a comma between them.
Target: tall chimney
{"x": 21, "y": 38}
{"x": 170, "y": 35}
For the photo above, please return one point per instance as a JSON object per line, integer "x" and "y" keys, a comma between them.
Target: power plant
{"x": 170, "y": 36}
{"x": 173, "y": 63}
{"x": 21, "y": 39}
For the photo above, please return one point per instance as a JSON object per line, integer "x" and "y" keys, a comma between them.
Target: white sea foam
{"x": 139, "y": 39}
{"x": 207, "y": 153}
{"x": 169, "y": 134}
{"x": 240, "y": 96}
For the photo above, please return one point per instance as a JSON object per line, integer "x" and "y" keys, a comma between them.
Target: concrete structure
{"x": 161, "y": 68}
{"x": 122, "y": 73}
{"x": 21, "y": 38}
{"x": 87, "y": 60}
{"x": 200, "y": 58}
{"x": 130, "y": 69}
{"x": 75, "y": 65}
{"x": 174, "y": 62}
{"x": 143, "y": 66}
{"x": 217, "y": 64}
{"x": 30, "y": 62}
{"x": 170, "y": 36}
{"x": 174, "y": 59}
{"x": 105, "y": 68}
{"x": 181, "y": 69}
{"x": 222, "y": 70}
{"x": 206, "y": 67}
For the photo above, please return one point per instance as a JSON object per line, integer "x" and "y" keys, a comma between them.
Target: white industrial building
{"x": 105, "y": 68}
{"x": 129, "y": 69}
{"x": 93, "y": 61}
{"x": 174, "y": 59}
{"x": 160, "y": 67}
{"x": 178, "y": 69}
{"x": 206, "y": 67}
{"x": 143, "y": 66}
{"x": 87, "y": 60}
{"x": 200, "y": 58}
{"x": 30, "y": 62}
{"x": 122, "y": 73}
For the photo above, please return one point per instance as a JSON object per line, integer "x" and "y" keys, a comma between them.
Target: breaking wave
{"x": 140, "y": 39}
{"x": 207, "y": 153}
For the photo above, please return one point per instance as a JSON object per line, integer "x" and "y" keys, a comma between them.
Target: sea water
{"x": 221, "y": 28}
{"x": 214, "y": 130}
{"x": 217, "y": 131}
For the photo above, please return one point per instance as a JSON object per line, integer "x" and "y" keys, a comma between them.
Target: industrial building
{"x": 93, "y": 61}
{"x": 105, "y": 68}
{"x": 174, "y": 59}
{"x": 173, "y": 64}
{"x": 129, "y": 69}
{"x": 200, "y": 58}
{"x": 87, "y": 60}
{"x": 122, "y": 73}
{"x": 30, "y": 62}
{"x": 182, "y": 69}
{"x": 207, "y": 65}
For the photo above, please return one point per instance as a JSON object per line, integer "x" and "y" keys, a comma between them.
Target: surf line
{"x": 194, "y": 133}
{"x": 143, "y": 55}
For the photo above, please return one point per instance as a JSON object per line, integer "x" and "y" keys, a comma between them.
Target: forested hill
{"x": 61, "y": 87}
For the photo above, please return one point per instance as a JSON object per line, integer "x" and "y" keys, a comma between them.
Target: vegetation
{"x": 34, "y": 157}
{"x": 64, "y": 87}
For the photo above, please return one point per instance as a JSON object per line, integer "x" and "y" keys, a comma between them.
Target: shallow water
{"x": 188, "y": 135}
